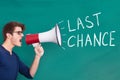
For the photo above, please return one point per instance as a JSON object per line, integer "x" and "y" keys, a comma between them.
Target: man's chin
{"x": 19, "y": 45}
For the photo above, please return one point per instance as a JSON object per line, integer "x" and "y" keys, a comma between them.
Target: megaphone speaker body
{"x": 52, "y": 35}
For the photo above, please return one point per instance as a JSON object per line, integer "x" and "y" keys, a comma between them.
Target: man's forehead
{"x": 18, "y": 28}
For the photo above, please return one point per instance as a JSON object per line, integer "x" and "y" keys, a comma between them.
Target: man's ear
{"x": 8, "y": 35}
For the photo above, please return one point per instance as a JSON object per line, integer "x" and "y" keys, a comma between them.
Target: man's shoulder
{"x": 1, "y": 49}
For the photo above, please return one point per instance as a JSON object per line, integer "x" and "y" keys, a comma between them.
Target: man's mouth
{"x": 20, "y": 40}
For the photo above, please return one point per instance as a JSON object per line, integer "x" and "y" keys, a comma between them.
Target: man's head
{"x": 13, "y": 31}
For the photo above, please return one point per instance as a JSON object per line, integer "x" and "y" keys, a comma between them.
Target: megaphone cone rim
{"x": 58, "y": 41}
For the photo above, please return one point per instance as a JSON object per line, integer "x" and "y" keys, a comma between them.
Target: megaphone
{"x": 52, "y": 35}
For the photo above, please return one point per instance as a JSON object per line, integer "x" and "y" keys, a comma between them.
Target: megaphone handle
{"x": 35, "y": 44}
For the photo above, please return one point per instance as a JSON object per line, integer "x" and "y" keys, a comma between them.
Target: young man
{"x": 10, "y": 64}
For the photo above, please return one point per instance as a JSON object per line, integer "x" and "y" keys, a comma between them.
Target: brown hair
{"x": 9, "y": 28}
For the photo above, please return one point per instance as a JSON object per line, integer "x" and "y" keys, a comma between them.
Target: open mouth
{"x": 20, "y": 40}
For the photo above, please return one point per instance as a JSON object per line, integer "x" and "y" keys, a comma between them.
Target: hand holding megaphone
{"x": 52, "y": 35}
{"x": 38, "y": 50}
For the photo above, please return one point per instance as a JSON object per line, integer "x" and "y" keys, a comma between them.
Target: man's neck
{"x": 8, "y": 46}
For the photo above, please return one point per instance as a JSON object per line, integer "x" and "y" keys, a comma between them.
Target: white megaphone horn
{"x": 52, "y": 35}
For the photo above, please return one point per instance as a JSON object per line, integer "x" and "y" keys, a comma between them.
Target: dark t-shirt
{"x": 10, "y": 65}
